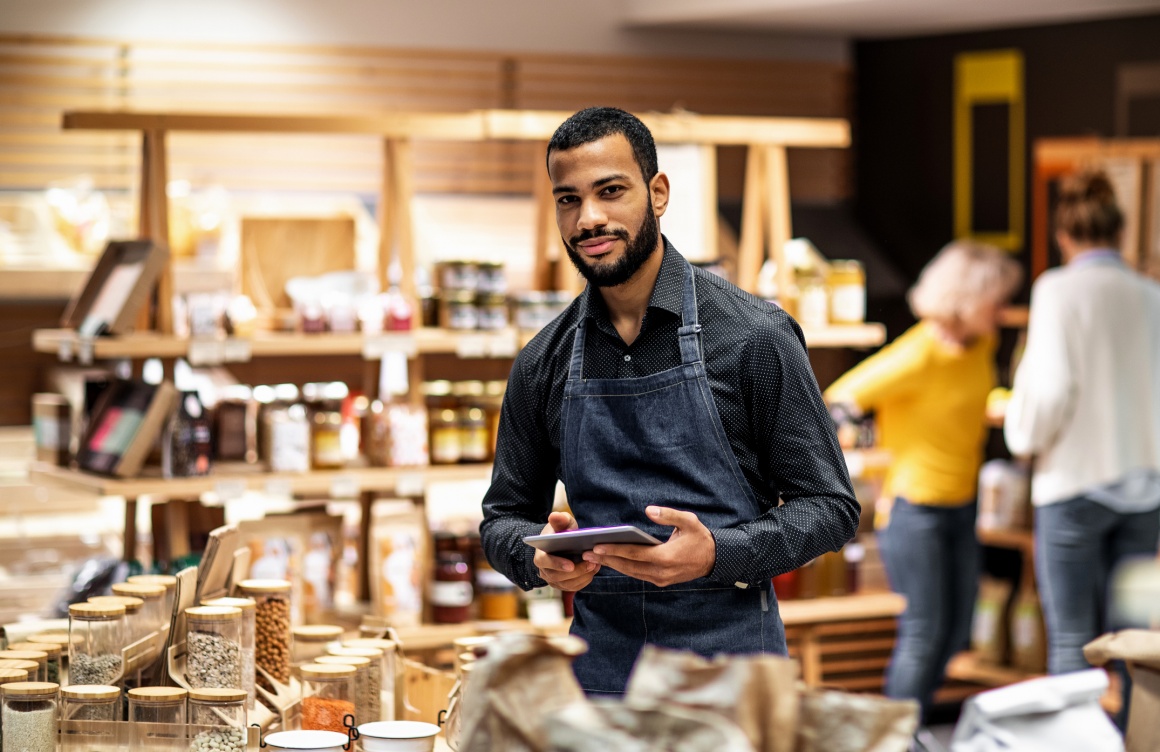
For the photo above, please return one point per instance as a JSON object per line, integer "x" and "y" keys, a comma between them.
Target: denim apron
{"x": 631, "y": 443}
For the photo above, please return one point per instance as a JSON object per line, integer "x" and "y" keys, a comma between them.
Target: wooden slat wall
{"x": 40, "y": 77}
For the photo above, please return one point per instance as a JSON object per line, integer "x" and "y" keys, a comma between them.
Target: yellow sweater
{"x": 929, "y": 399}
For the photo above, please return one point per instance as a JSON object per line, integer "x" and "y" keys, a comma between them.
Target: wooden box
{"x": 118, "y": 286}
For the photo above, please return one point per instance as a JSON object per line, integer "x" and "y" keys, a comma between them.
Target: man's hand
{"x": 688, "y": 554}
{"x": 561, "y": 573}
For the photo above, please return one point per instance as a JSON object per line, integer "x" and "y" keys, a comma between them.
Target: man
{"x": 668, "y": 399}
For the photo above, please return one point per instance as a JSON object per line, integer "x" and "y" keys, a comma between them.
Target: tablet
{"x": 570, "y": 544}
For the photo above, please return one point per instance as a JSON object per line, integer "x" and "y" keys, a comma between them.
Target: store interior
{"x": 265, "y": 269}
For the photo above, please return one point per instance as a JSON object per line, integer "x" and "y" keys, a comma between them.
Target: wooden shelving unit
{"x": 967, "y": 667}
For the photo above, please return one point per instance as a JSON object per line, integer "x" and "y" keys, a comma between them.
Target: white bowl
{"x": 398, "y": 736}
{"x": 307, "y": 741}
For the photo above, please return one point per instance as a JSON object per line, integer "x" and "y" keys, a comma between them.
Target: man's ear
{"x": 659, "y": 188}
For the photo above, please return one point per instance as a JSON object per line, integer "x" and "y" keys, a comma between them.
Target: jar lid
{"x": 322, "y": 671}
{"x": 217, "y": 695}
{"x": 245, "y": 604}
{"x": 157, "y": 694}
{"x": 436, "y": 388}
{"x": 146, "y": 591}
{"x": 490, "y": 265}
{"x": 19, "y": 665}
{"x": 96, "y": 610}
{"x": 13, "y": 675}
{"x": 317, "y": 633}
{"x": 532, "y": 297}
{"x": 132, "y": 605}
{"x": 264, "y": 586}
{"x": 467, "y": 388}
{"x": 213, "y": 613}
{"x": 357, "y": 661}
{"x": 53, "y": 651}
{"x": 459, "y": 297}
{"x": 381, "y": 644}
{"x": 55, "y": 638}
{"x": 29, "y": 689}
{"x": 39, "y": 656}
{"x": 356, "y": 652}
{"x": 167, "y": 581}
{"x": 90, "y": 692}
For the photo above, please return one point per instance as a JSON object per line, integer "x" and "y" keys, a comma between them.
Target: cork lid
{"x": 374, "y": 643}
{"x": 26, "y": 666}
{"x": 53, "y": 638}
{"x": 322, "y": 671}
{"x": 356, "y": 652}
{"x": 264, "y": 586}
{"x": 53, "y": 651}
{"x": 37, "y": 656}
{"x": 90, "y": 692}
{"x": 13, "y": 675}
{"x": 317, "y": 633}
{"x": 217, "y": 695}
{"x": 343, "y": 660}
{"x": 213, "y": 613}
{"x": 245, "y": 604}
{"x": 157, "y": 694}
{"x": 96, "y": 611}
{"x": 167, "y": 581}
{"x": 29, "y": 689}
{"x": 143, "y": 590}
{"x": 132, "y": 605}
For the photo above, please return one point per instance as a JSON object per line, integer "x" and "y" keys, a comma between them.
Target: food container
{"x": 308, "y": 741}
{"x": 271, "y": 626}
{"x": 13, "y": 675}
{"x": 249, "y": 611}
{"x": 398, "y": 736}
{"x": 88, "y": 718}
{"x": 328, "y": 697}
{"x": 153, "y": 615}
{"x": 847, "y": 282}
{"x": 497, "y": 597}
{"x": 366, "y": 694}
{"x": 213, "y": 647}
{"x": 531, "y": 311}
{"x": 457, "y": 310}
{"x": 52, "y": 428}
{"x": 39, "y": 657}
{"x": 451, "y": 592}
{"x": 310, "y": 641}
{"x": 30, "y": 669}
{"x": 492, "y": 278}
{"x": 474, "y": 435}
{"x": 134, "y": 622}
{"x": 813, "y": 303}
{"x": 457, "y": 275}
{"x": 492, "y": 311}
{"x": 387, "y": 655}
{"x": 52, "y": 665}
{"x": 28, "y": 718}
{"x": 236, "y": 425}
{"x": 158, "y": 718}
{"x": 168, "y": 581}
{"x": 217, "y": 718}
{"x": 375, "y": 675}
{"x": 445, "y": 437}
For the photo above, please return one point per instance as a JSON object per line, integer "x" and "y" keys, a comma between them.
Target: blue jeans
{"x": 932, "y": 557}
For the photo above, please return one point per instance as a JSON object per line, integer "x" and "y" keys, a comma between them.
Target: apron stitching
{"x": 638, "y": 394}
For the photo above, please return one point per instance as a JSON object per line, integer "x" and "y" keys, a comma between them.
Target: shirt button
{"x": 627, "y": 358}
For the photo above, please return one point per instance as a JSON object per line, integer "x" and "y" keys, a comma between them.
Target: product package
{"x": 1140, "y": 650}
{"x": 399, "y": 561}
{"x": 1028, "y": 634}
{"x": 989, "y": 627}
{"x": 126, "y": 421}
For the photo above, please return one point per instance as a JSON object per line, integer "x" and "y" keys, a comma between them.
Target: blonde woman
{"x": 928, "y": 390}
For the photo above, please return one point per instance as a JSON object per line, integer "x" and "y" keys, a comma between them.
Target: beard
{"x": 638, "y": 249}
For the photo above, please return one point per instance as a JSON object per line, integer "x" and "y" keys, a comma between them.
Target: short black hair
{"x": 595, "y": 123}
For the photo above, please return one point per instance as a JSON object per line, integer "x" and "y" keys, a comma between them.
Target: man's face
{"x": 607, "y": 214}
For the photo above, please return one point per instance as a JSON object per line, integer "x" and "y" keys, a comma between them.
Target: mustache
{"x": 598, "y": 233}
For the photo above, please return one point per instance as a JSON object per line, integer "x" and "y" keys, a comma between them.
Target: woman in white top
{"x": 1086, "y": 405}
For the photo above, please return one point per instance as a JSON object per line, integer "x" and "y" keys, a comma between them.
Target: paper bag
{"x": 1053, "y": 714}
{"x": 514, "y": 688}
{"x": 1140, "y": 650}
{"x": 841, "y": 722}
{"x": 610, "y": 726}
{"x": 756, "y": 693}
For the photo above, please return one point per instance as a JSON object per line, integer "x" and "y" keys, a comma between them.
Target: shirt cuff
{"x": 734, "y": 558}
{"x": 528, "y": 573}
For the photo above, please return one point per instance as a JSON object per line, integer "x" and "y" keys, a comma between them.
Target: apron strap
{"x": 576, "y": 364}
{"x": 689, "y": 333}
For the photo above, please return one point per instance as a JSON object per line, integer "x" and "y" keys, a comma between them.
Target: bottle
{"x": 451, "y": 591}
{"x": 445, "y": 437}
{"x": 186, "y": 445}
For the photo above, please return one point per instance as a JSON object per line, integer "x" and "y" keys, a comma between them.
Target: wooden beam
{"x": 752, "y": 241}
{"x": 780, "y": 229}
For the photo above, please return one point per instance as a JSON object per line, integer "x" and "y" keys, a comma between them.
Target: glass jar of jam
{"x": 451, "y": 590}
{"x": 445, "y": 437}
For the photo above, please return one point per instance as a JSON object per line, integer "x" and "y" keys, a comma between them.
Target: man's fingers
{"x": 561, "y": 521}
{"x": 671, "y": 517}
{"x": 547, "y": 561}
{"x": 630, "y": 567}
{"x": 626, "y": 551}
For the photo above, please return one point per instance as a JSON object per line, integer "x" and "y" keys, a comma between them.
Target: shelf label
{"x": 64, "y": 350}
{"x": 206, "y": 352}
{"x": 375, "y": 346}
{"x": 228, "y": 489}
{"x": 236, "y": 350}
{"x": 410, "y": 485}
{"x": 279, "y": 488}
{"x": 472, "y": 345}
{"x": 344, "y": 487}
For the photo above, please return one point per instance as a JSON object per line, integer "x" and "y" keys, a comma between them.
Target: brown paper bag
{"x": 757, "y": 693}
{"x": 514, "y": 688}
{"x": 615, "y": 727}
{"x": 840, "y": 722}
{"x": 1140, "y": 650}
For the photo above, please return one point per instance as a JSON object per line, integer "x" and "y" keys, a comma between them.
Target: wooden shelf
{"x": 967, "y": 667}
{"x": 857, "y": 607}
{"x": 848, "y": 335}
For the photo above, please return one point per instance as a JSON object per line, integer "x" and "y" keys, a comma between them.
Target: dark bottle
{"x": 186, "y": 444}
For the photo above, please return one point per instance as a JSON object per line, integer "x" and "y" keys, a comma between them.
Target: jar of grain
{"x": 375, "y": 675}
{"x": 249, "y": 610}
{"x": 366, "y": 697}
{"x": 309, "y": 641}
{"x": 28, "y": 718}
{"x": 217, "y": 720}
{"x": 153, "y": 615}
{"x": 52, "y": 665}
{"x": 157, "y": 715}
{"x": 271, "y": 626}
{"x": 97, "y": 635}
{"x": 213, "y": 645}
{"x": 387, "y": 650}
{"x": 328, "y": 697}
{"x": 168, "y": 581}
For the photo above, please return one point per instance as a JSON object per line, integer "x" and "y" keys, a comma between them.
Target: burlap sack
{"x": 616, "y": 727}
{"x": 840, "y": 722}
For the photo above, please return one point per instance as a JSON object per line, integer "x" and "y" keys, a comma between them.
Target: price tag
{"x": 410, "y": 485}
{"x": 375, "y": 346}
{"x": 64, "y": 350}
{"x": 229, "y": 489}
{"x": 279, "y": 488}
{"x": 206, "y": 352}
{"x": 344, "y": 487}
{"x": 504, "y": 344}
{"x": 855, "y": 463}
{"x": 472, "y": 345}
{"x": 237, "y": 350}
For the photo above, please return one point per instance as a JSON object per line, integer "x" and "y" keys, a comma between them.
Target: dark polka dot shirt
{"x": 765, "y": 392}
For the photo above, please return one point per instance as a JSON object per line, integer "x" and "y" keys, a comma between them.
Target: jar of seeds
{"x": 217, "y": 719}
{"x": 310, "y": 642}
{"x": 328, "y": 697}
{"x": 133, "y": 622}
{"x": 375, "y": 676}
{"x": 97, "y": 635}
{"x": 365, "y": 706}
{"x": 89, "y": 714}
{"x": 213, "y": 647}
{"x": 39, "y": 657}
{"x": 167, "y": 581}
{"x": 153, "y": 615}
{"x": 28, "y": 718}
{"x": 158, "y": 718}
{"x": 53, "y": 653}
{"x": 387, "y": 650}
{"x": 271, "y": 626}
{"x": 248, "y": 609}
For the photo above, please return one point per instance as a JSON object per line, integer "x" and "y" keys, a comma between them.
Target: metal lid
{"x": 168, "y": 581}
{"x": 20, "y": 665}
{"x": 245, "y": 604}
{"x": 13, "y": 675}
{"x": 39, "y": 656}
{"x": 217, "y": 695}
{"x": 343, "y": 660}
{"x": 132, "y": 605}
{"x": 144, "y": 590}
{"x": 157, "y": 694}
{"x": 95, "y": 611}
{"x": 357, "y": 652}
{"x": 264, "y": 586}
{"x": 29, "y": 689}
{"x": 317, "y": 632}
{"x": 322, "y": 671}
{"x": 90, "y": 692}
{"x": 213, "y": 613}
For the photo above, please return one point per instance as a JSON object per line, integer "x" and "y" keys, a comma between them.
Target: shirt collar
{"x": 1097, "y": 256}
{"x": 666, "y": 294}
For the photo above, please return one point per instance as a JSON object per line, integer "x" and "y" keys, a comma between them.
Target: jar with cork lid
{"x": 153, "y": 614}
{"x": 366, "y": 706}
{"x": 97, "y": 636}
{"x": 39, "y": 657}
{"x": 52, "y": 665}
{"x": 375, "y": 676}
{"x": 217, "y": 720}
{"x": 29, "y": 669}
{"x": 13, "y": 675}
{"x": 310, "y": 641}
{"x": 386, "y": 653}
{"x": 133, "y": 615}
{"x": 271, "y": 626}
{"x": 158, "y": 718}
{"x": 89, "y": 717}
{"x": 328, "y": 697}
{"x": 213, "y": 645}
{"x": 28, "y": 717}
{"x": 167, "y": 581}
{"x": 248, "y": 609}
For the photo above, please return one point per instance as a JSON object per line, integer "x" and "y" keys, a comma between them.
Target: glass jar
{"x": 847, "y": 284}
{"x": 531, "y": 311}
{"x": 492, "y": 404}
{"x": 13, "y": 675}
{"x": 248, "y": 609}
{"x": 288, "y": 434}
{"x": 153, "y": 615}
{"x": 387, "y": 650}
{"x": 492, "y": 311}
{"x": 326, "y": 436}
{"x": 457, "y": 310}
{"x": 213, "y": 645}
{"x": 28, "y": 718}
{"x": 375, "y": 674}
{"x": 457, "y": 275}
{"x": 218, "y": 720}
{"x": 310, "y": 642}
{"x": 52, "y": 664}
{"x": 366, "y": 697}
{"x": 474, "y": 437}
{"x": 497, "y": 596}
{"x": 31, "y": 669}
{"x": 39, "y": 657}
{"x": 236, "y": 425}
{"x": 89, "y": 718}
{"x": 158, "y": 718}
{"x": 445, "y": 438}
{"x": 451, "y": 591}
{"x": 492, "y": 278}
{"x": 813, "y": 303}
{"x": 328, "y": 697}
{"x": 271, "y": 626}
{"x": 133, "y": 617}
{"x": 169, "y": 582}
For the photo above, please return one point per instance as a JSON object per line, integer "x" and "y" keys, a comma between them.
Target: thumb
{"x": 561, "y": 521}
{"x": 671, "y": 517}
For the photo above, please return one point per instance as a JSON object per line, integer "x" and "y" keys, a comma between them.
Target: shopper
{"x": 1086, "y": 404}
{"x": 668, "y": 399}
{"x": 928, "y": 391}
